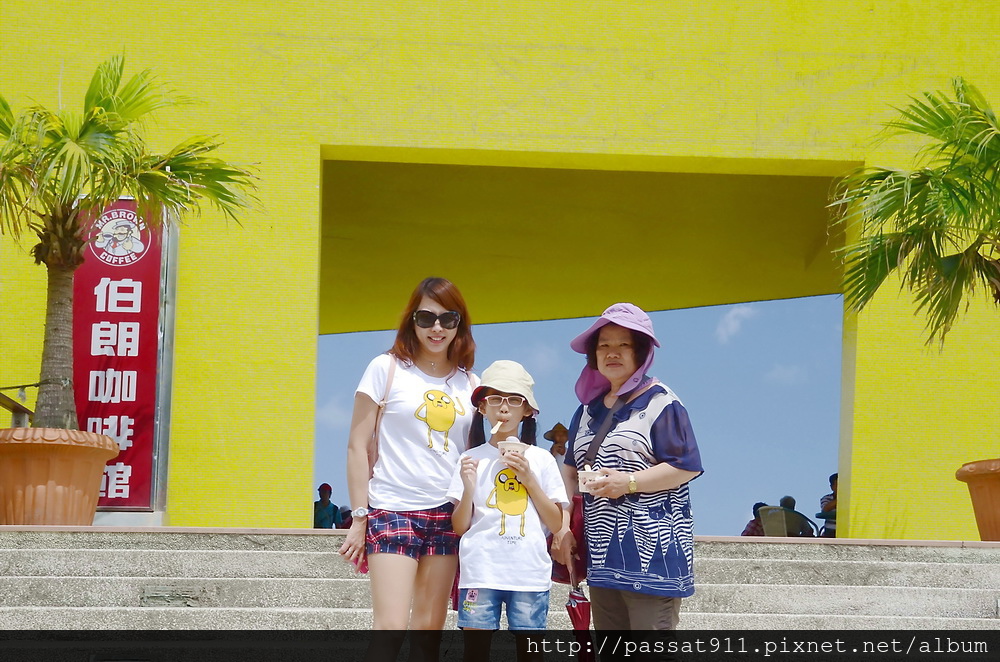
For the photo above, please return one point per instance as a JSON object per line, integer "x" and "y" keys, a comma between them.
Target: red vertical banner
{"x": 116, "y": 339}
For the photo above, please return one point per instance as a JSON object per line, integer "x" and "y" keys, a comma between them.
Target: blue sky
{"x": 761, "y": 382}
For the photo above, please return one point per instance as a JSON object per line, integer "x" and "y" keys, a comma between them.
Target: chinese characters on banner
{"x": 116, "y": 317}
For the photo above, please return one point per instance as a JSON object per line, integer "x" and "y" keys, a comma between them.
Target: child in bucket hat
{"x": 507, "y": 499}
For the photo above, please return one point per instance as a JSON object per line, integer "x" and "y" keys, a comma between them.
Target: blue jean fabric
{"x": 480, "y": 608}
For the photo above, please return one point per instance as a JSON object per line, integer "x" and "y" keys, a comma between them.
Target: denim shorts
{"x": 413, "y": 533}
{"x": 480, "y": 608}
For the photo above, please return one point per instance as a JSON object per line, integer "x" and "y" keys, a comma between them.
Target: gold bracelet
{"x": 632, "y": 486}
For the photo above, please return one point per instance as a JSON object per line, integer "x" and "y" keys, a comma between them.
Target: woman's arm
{"x": 653, "y": 479}
{"x": 362, "y": 427}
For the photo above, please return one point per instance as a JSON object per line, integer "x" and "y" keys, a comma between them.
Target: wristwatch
{"x": 360, "y": 511}
{"x": 632, "y": 484}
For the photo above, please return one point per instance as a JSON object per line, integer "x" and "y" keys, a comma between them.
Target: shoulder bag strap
{"x": 608, "y": 421}
{"x": 602, "y": 431}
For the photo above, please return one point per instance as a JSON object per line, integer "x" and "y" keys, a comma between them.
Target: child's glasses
{"x": 513, "y": 401}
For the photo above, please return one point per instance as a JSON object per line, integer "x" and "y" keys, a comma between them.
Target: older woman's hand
{"x": 610, "y": 484}
{"x": 564, "y": 546}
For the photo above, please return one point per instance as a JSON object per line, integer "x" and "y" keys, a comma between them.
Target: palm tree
{"x": 937, "y": 224}
{"x": 60, "y": 168}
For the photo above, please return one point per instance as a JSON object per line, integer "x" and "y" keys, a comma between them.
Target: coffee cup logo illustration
{"x": 121, "y": 238}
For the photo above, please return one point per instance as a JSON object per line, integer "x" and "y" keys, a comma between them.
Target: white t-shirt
{"x": 504, "y": 548}
{"x": 424, "y": 430}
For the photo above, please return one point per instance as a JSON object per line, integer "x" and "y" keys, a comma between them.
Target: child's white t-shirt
{"x": 504, "y": 548}
{"x": 424, "y": 430}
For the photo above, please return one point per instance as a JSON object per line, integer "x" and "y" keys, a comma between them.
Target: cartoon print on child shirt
{"x": 441, "y": 414}
{"x": 509, "y": 497}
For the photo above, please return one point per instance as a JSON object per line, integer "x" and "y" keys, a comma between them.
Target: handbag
{"x": 373, "y": 442}
{"x": 560, "y": 573}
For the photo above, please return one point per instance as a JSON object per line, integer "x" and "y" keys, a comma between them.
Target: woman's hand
{"x": 611, "y": 484}
{"x": 353, "y": 549}
{"x": 564, "y": 546}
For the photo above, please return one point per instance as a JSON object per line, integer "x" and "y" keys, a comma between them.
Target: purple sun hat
{"x": 592, "y": 383}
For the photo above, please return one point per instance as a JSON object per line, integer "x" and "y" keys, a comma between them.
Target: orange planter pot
{"x": 51, "y": 476}
{"x": 983, "y": 479}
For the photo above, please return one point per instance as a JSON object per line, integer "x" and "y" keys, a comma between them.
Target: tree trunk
{"x": 56, "y": 406}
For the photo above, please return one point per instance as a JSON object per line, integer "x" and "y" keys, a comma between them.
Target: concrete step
{"x": 847, "y": 573}
{"x": 221, "y": 592}
{"x": 84, "y": 562}
{"x": 327, "y": 541}
{"x": 172, "y": 563}
{"x": 887, "y": 601}
{"x": 167, "y": 618}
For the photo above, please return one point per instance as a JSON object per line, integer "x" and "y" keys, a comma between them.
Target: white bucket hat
{"x": 507, "y": 377}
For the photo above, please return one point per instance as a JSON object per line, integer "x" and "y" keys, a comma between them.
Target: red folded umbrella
{"x": 578, "y": 608}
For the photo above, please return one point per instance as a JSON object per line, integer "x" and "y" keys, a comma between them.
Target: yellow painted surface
{"x": 567, "y": 101}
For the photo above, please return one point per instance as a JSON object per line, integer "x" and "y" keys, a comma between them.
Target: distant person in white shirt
{"x": 558, "y": 435}
{"x": 508, "y": 499}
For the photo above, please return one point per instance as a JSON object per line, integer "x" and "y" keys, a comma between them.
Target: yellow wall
{"x": 775, "y": 80}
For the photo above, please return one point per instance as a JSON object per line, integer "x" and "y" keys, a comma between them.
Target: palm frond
{"x": 6, "y": 119}
{"x": 105, "y": 81}
{"x": 937, "y": 223}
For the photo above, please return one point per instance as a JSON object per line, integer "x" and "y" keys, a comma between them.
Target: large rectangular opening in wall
{"x": 670, "y": 233}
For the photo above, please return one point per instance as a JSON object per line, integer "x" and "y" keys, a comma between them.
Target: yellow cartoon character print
{"x": 509, "y": 497}
{"x": 441, "y": 411}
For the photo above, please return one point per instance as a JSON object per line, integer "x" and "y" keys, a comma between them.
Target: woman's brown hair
{"x": 462, "y": 350}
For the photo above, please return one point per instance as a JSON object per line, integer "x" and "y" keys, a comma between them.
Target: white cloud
{"x": 788, "y": 375}
{"x": 542, "y": 360}
{"x": 732, "y": 321}
{"x": 333, "y": 414}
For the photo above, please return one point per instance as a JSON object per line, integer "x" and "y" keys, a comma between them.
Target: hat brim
{"x": 579, "y": 344}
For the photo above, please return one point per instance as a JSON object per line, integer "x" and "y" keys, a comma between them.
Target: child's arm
{"x": 549, "y": 511}
{"x": 461, "y": 517}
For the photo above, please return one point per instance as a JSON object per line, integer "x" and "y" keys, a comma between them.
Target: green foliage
{"x": 57, "y": 165}
{"x": 937, "y": 224}
{"x": 59, "y": 169}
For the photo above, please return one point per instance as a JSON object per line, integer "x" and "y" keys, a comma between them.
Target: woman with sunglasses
{"x": 401, "y": 514}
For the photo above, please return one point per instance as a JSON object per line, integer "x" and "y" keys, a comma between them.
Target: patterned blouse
{"x": 641, "y": 542}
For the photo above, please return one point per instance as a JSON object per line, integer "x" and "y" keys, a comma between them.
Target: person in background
{"x": 828, "y": 504}
{"x": 637, "y": 511}
{"x": 326, "y": 514}
{"x": 401, "y": 515}
{"x": 805, "y": 530}
{"x": 558, "y": 435}
{"x": 755, "y": 527}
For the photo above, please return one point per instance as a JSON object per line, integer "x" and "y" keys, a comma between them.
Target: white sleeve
{"x": 457, "y": 488}
{"x": 373, "y": 381}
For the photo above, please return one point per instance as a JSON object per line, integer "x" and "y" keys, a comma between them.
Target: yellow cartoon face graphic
{"x": 440, "y": 412}
{"x": 509, "y": 497}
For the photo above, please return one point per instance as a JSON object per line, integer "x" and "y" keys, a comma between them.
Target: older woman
{"x": 637, "y": 513}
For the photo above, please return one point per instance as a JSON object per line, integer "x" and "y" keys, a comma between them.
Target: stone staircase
{"x": 266, "y": 579}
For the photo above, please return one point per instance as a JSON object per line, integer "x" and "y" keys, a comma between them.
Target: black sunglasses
{"x": 425, "y": 319}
